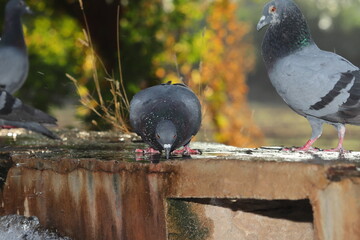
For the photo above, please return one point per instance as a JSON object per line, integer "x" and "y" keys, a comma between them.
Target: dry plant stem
{"x": 93, "y": 55}
{"x": 123, "y": 92}
{"x": 81, "y": 5}
{"x": 114, "y": 111}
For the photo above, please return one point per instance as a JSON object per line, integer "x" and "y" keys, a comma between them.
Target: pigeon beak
{"x": 167, "y": 148}
{"x": 262, "y": 23}
{"x": 28, "y": 10}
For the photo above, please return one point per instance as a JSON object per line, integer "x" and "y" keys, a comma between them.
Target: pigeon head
{"x": 276, "y": 11}
{"x": 166, "y": 135}
{"x": 12, "y": 31}
{"x": 17, "y": 7}
{"x": 287, "y": 32}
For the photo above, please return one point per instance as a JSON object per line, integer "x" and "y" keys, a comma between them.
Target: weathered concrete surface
{"x": 337, "y": 210}
{"x": 235, "y": 219}
{"x": 90, "y": 205}
{"x": 232, "y": 225}
{"x": 90, "y": 187}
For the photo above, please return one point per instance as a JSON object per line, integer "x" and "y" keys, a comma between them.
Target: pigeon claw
{"x": 147, "y": 151}
{"x": 190, "y": 151}
{"x": 7, "y": 127}
{"x": 306, "y": 148}
{"x": 146, "y": 154}
{"x": 187, "y": 151}
{"x": 300, "y": 149}
{"x": 339, "y": 150}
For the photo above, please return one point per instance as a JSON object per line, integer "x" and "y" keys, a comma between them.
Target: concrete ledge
{"x": 91, "y": 188}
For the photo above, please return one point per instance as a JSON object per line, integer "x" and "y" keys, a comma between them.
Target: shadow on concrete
{"x": 293, "y": 210}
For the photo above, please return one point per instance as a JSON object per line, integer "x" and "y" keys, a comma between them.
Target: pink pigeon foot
{"x": 147, "y": 151}
{"x": 7, "y": 127}
{"x": 187, "y": 151}
{"x": 339, "y": 147}
{"x": 140, "y": 153}
{"x": 305, "y": 148}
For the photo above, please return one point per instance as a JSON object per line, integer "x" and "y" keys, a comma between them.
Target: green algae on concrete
{"x": 184, "y": 223}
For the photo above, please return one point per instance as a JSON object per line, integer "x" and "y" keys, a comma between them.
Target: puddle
{"x": 74, "y": 145}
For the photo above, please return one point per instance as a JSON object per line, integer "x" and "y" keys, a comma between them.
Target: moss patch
{"x": 184, "y": 223}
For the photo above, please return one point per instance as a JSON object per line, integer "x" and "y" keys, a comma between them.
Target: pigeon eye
{"x": 272, "y": 9}
{"x": 175, "y": 136}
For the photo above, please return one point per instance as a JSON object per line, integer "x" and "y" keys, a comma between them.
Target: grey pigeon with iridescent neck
{"x": 14, "y": 63}
{"x": 15, "y": 114}
{"x": 166, "y": 117}
{"x": 319, "y": 85}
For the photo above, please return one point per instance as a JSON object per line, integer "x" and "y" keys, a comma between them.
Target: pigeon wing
{"x": 141, "y": 104}
{"x": 13, "y": 109}
{"x": 312, "y": 81}
{"x": 193, "y": 107}
{"x": 349, "y": 111}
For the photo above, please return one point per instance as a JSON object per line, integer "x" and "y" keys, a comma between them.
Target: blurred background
{"x": 211, "y": 45}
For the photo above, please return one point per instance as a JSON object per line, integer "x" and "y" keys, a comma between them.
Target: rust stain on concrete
{"x": 91, "y": 204}
{"x": 114, "y": 197}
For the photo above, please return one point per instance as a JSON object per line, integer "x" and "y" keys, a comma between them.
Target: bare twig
{"x": 113, "y": 111}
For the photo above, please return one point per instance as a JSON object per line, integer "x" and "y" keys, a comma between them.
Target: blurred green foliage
{"x": 139, "y": 22}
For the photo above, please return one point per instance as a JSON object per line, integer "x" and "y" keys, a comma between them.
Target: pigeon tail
{"x": 39, "y": 115}
{"x": 33, "y": 126}
{"x": 13, "y": 109}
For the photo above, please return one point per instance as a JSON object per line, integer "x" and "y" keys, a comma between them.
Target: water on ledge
{"x": 109, "y": 146}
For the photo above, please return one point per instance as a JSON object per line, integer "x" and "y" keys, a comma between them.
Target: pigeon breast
{"x": 14, "y": 68}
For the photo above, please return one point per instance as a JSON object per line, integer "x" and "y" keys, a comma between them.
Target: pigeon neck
{"x": 286, "y": 37}
{"x": 13, "y": 32}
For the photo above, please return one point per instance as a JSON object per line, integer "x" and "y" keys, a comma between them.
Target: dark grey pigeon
{"x": 319, "y": 85}
{"x": 166, "y": 117}
{"x": 14, "y": 63}
{"x": 15, "y": 114}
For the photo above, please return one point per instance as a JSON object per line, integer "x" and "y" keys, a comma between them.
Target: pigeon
{"x": 319, "y": 85}
{"x": 14, "y": 62}
{"x": 15, "y": 114}
{"x": 166, "y": 116}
